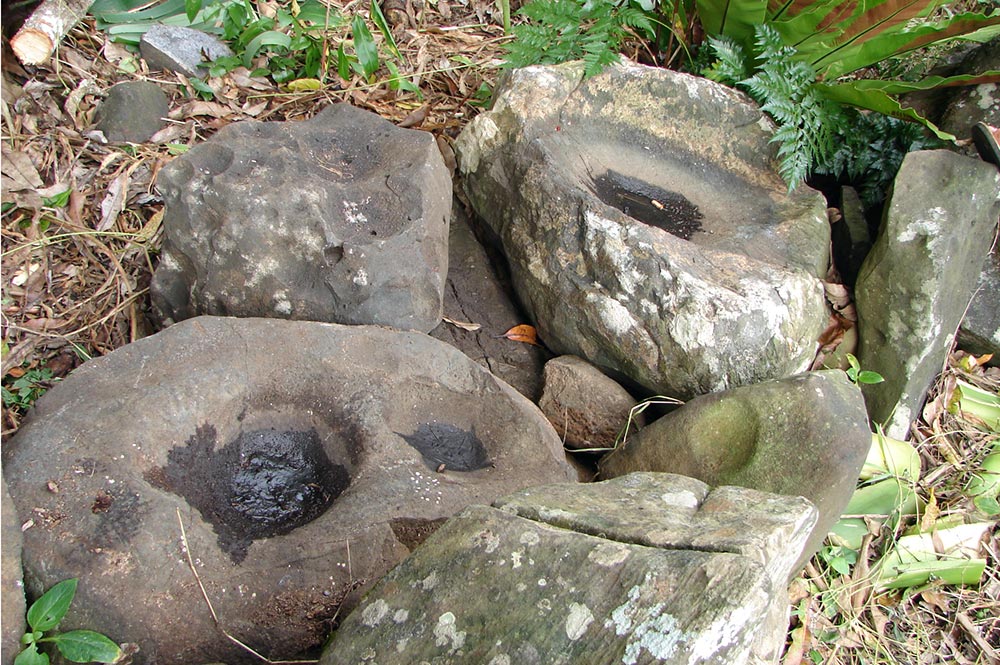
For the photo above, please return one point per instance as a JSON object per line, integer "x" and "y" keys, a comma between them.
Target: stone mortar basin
{"x": 647, "y": 227}
{"x": 304, "y": 460}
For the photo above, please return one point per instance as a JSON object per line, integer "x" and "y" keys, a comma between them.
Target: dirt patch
{"x": 413, "y": 532}
{"x": 264, "y": 483}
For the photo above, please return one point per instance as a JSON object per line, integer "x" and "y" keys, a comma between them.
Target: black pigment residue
{"x": 649, "y": 204}
{"x": 264, "y": 483}
{"x": 444, "y": 444}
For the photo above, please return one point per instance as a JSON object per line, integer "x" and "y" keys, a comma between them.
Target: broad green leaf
{"x": 916, "y": 573}
{"x": 31, "y": 656}
{"x": 268, "y": 38}
{"x": 343, "y": 64}
{"x": 732, "y": 18}
{"x": 46, "y": 612}
{"x": 870, "y": 95}
{"x": 364, "y": 46}
{"x": 85, "y": 646}
{"x": 191, "y": 8}
{"x": 379, "y": 20}
{"x": 845, "y": 58}
{"x": 320, "y": 14}
{"x": 58, "y": 201}
{"x": 112, "y": 14}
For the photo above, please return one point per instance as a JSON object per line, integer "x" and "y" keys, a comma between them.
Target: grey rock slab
{"x": 179, "y": 49}
{"x": 475, "y": 294}
{"x": 677, "y": 512}
{"x": 980, "y": 330}
{"x": 587, "y": 408}
{"x": 13, "y": 604}
{"x": 303, "y": 459}
{"x": 341, "y": 218}
{"x": 132, "y": 112}
{"x": 491, "y": 587}
{"x": 915, "y": 285}
{"x": 974, "y": 103}
{"x": 802, "y": 436}
{"x": 646, "y": 227}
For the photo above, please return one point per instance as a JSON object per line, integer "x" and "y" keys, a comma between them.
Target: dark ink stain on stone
{"x": 412, "y": 532}
{"x": 455, "y": 448}
{"x": 264, "y": 483}
{"x": 652, "y": 205}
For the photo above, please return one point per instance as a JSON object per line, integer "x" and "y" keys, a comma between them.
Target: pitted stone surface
{"x": 633, "y": 570}
{"x": 179, "y": 49}
{"x": 646, "y": 227}
{"x": 12, "y": 624}
{"x": 916, "y": 282}
{"x": 237, "y": 413}
{"x": 341, "y": 218}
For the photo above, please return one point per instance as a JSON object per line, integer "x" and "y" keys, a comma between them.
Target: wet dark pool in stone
{"x": 445, "y": 444}
{"x": 264, "y": 483}
{"x": 652, "y": 205}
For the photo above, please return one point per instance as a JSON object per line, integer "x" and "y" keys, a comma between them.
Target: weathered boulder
{"x": 132, "y": 112}
{"x": 340, "y": 218}
{"x": 970, "y": 104}
{"x": 980, "y": 331}
{"x": 179, "y": 49}
{"x": 475, "y": 294}
{"x": 646, "y": 568}
{"x": 12, "y": 602}
{"x": 646, "y": 227}
{"x": 303, "y": 460}
{"x": 802, "y": 436}
{"x": 587, "y": 408}
{"x": 914, "y": 286}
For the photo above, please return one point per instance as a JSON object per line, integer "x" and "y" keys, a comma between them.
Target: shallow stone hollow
{"x": 284, "y": 450}
{"x": 646, "y": 225}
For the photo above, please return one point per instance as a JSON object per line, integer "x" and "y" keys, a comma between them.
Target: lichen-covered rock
{"x": 180, "y": 49}
{"x": 646, "y": 227}
{"x": 980, "y": 331}
{"x": 302, "y": 460}
{"x": 648, "y": 568}
{"x": 340, "y": 218}
{"x": 587, "y": 408}
{"x": 802, "y": 436}
{"x": 11, "y": 583}
{"x": 916, "y": 283}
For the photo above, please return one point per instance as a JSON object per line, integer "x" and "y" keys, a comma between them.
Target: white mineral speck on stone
{"x": 577, "y": 621}
{"x": 361, "y": 277}
{"x": 515, "y": 559}
{"x": 430, "y": 581}
{"x": 722, "y": 633}
{"x": 374, "y": 613}
{"x": 542, "y": 581}
{"x": 608, "y": 554}
{"x": 445, "y": 631}
{"x": 401, "y": 615}
{"x": 660, "y": 634}
{"x": 683, "y": 498}
{"x": 353, "y": 215}
{"x": 283, "y": 307}
{"x": 529, "y": 538}
{"x": 500, "y": 659}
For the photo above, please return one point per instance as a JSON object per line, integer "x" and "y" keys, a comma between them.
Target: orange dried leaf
{"x": 522, "y": 333}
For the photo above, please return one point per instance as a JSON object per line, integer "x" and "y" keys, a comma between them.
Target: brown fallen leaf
{"x": 522, "y": 333}
{"x": 415, "y": 118}
{"x": 471, "y": 327}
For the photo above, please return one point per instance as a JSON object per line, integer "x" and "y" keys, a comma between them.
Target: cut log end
{"x": 32, "y": 47}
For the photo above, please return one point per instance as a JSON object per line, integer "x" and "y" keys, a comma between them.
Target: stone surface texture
{"x": 587, "y": 408}
{"x": 802, "y": 436}
{"x": 642, "y": 569}
{"x": 713, "y": 287}
{"x": 12, "y": 602}
{"x": 475, "y": 294}
{"x": 132, "y": 112}
{"x": 340, "y": 218}
{"x": 980, "y": 331}
{"x": 914, "y": 286}
{"x": 130, "y": 437}
{"x": 179, "y": 49}
{"x": 974, "y": 103}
